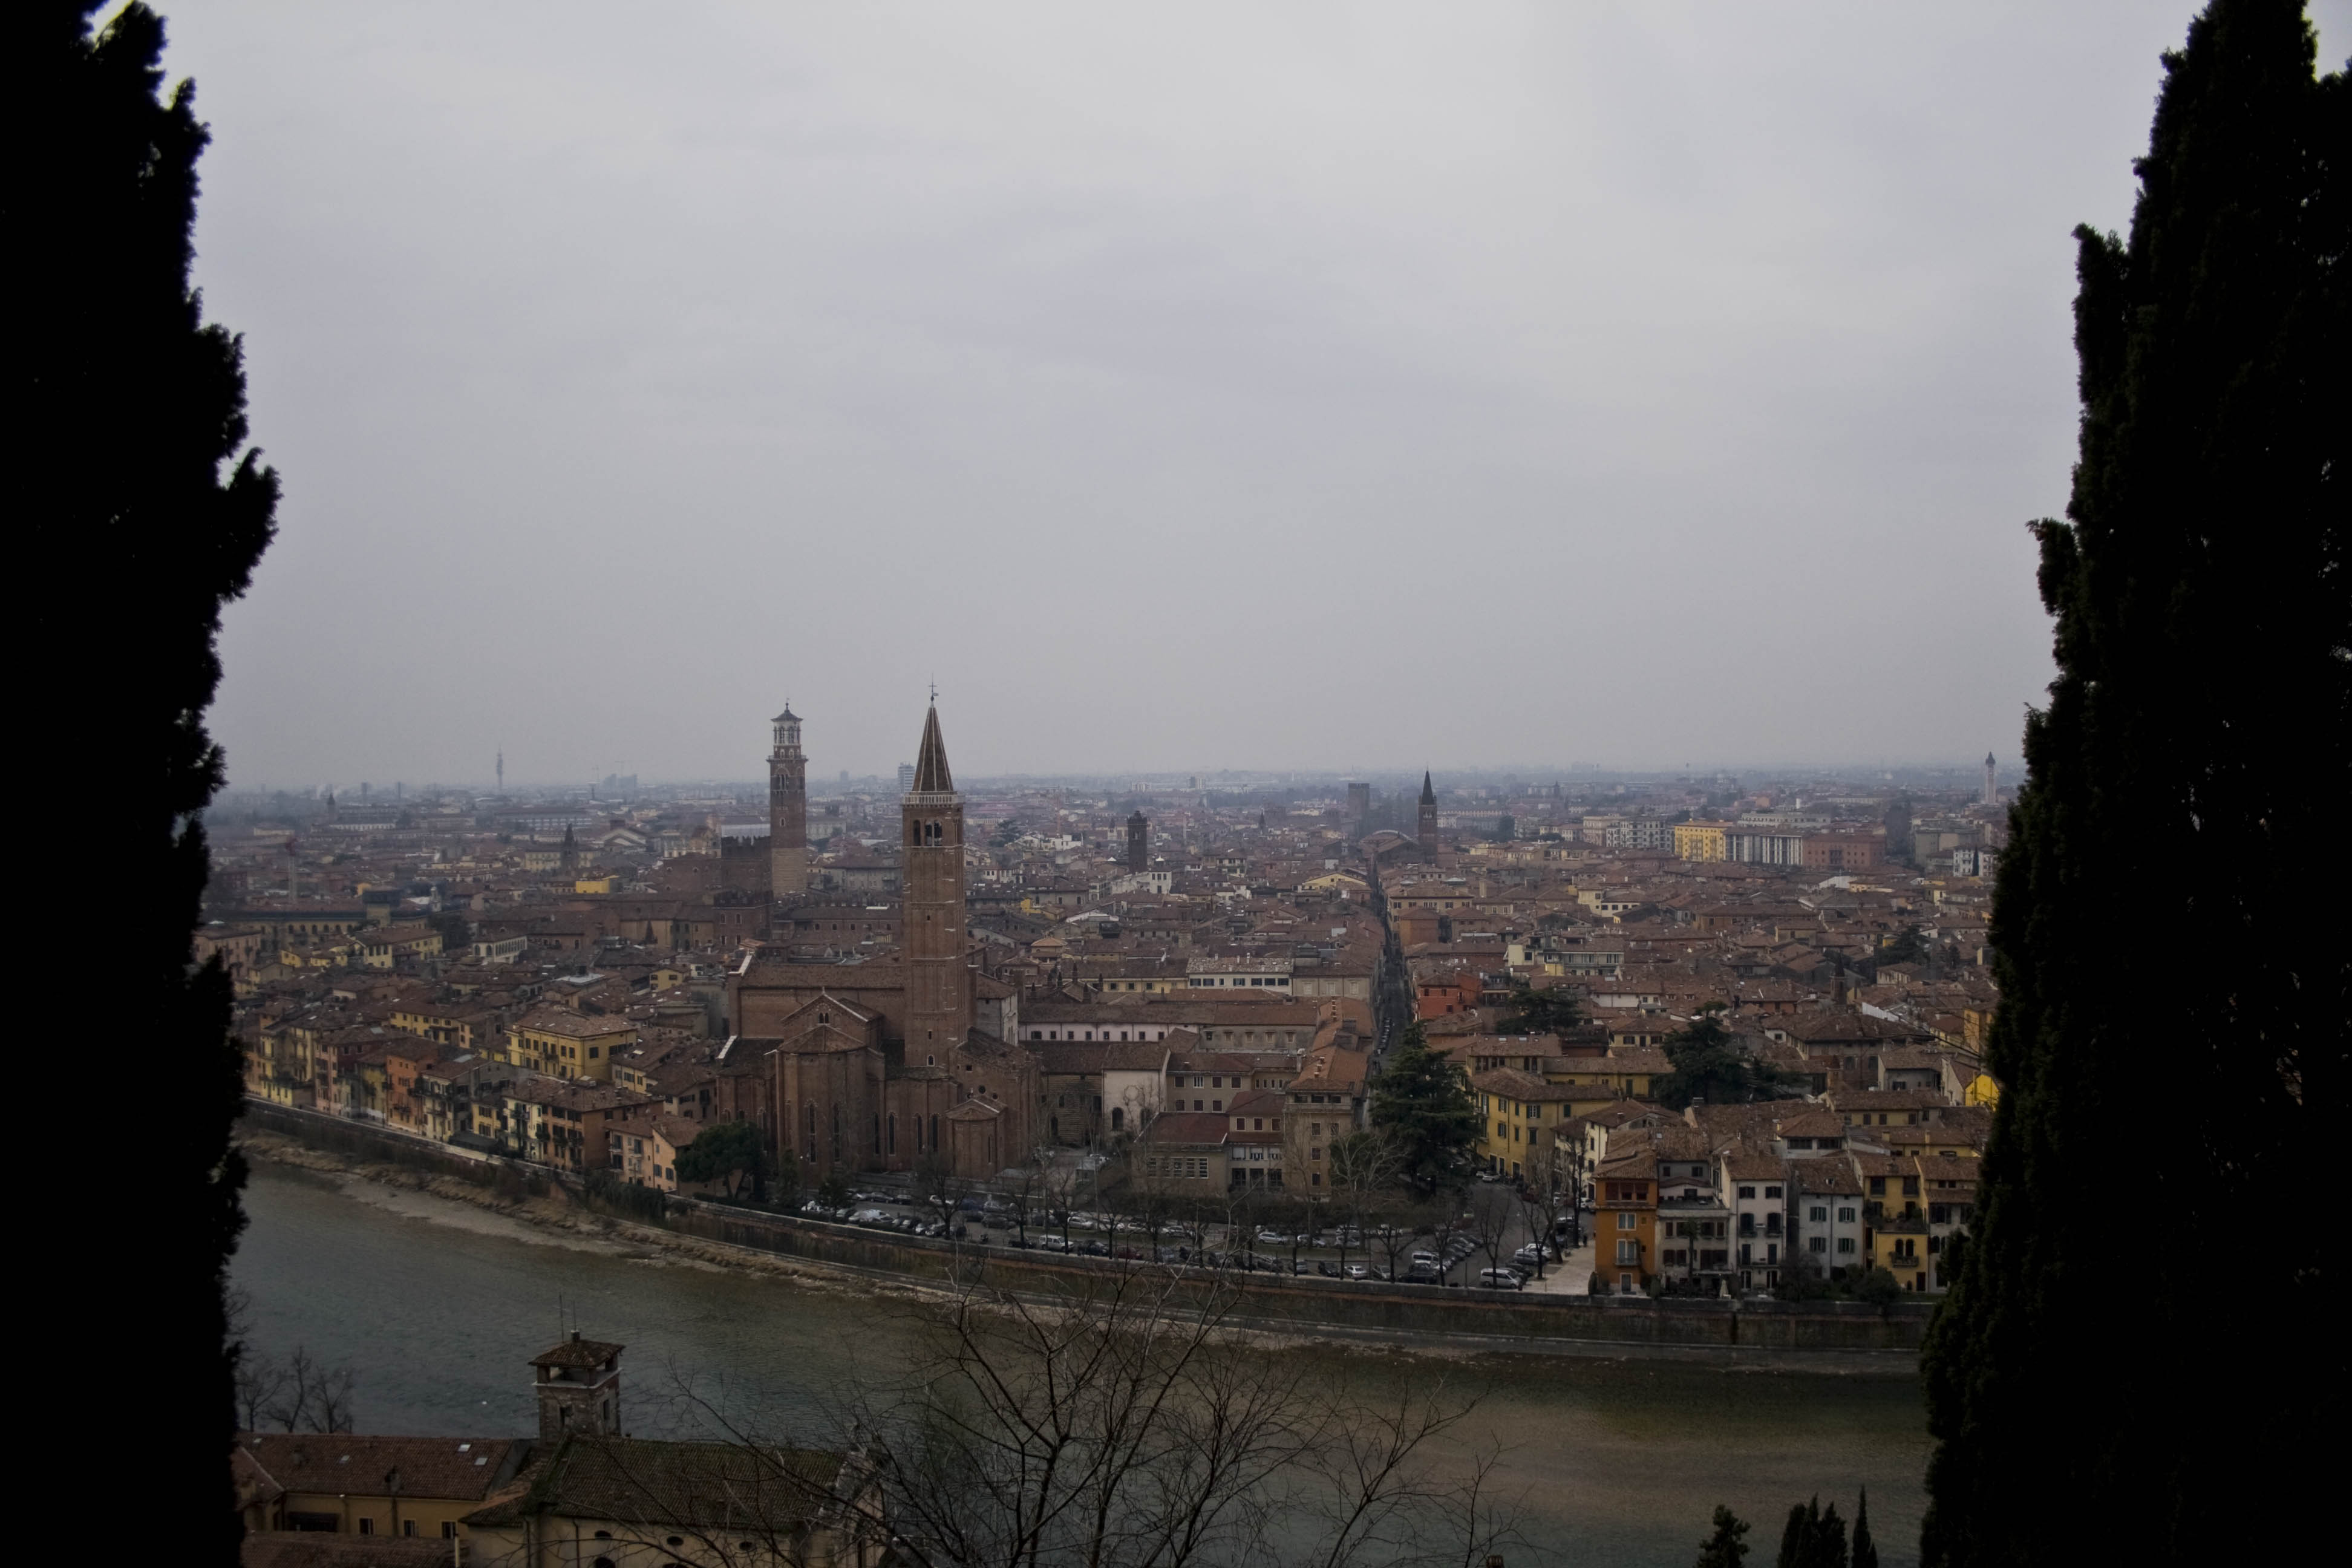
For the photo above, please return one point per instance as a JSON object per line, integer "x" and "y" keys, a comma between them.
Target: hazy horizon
{"x": 1963, "y": 773}
{"x": 1301, "y": 388}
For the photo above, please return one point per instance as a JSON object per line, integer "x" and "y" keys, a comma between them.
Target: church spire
{"x": 931, "y": 775}
{"x": 1428, "y": 795}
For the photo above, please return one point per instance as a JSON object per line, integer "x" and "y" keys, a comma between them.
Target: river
{"x": 438, "y": 1306}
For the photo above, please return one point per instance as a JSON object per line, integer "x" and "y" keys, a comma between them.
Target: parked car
{"x": 1361, "y": 1271}
{"x": 1274, "y": 1239}
{"x": 1500, "y": 1280}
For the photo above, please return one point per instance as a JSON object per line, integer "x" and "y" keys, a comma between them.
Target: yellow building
{"x": 1516, "y": 1110}
{"x": 564, "y": 1044}
{"x": 1702, "y": 841}
{"x": 345, "y": 1484}
{"x": 1619, "y": 1074}
{"x": 385, "y": 946}
{"x": 596, "y": 885}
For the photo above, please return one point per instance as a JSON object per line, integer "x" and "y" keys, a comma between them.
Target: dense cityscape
{"x": 600, "y": 1129}
{"x": 1185, "y": 988}
{"x": 1703, "y": 1037}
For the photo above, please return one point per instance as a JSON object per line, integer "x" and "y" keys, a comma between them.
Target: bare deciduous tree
{"x": 1125, "y": 1424}
{"x": 1554, "y": 1178}
{"x": 1364, "y": 1171}
{"x": 301, "y": 1393}
{"x": 1488, "y": 1221}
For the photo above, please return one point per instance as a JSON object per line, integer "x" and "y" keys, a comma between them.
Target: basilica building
{"x": 874, "y": 1066}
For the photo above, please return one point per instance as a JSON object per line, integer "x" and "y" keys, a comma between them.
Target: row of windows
{"x": 1140, "y": 1034}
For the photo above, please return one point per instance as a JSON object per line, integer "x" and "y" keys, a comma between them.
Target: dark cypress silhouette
{"x": 1726, "y": 1546}
{"x": 2165, "y": 1010}
{"x": 1797, "y": 1535}
{"x": 136, "y": 488}
{"x": 1865, "y": 1551}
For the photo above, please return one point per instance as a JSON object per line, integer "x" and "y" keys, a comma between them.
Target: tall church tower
{"x": 1138, "y": 842}
{"x": 787, "y": 812}
{"x": 1425, "y": 835}
{"x": 939, "y": 986}
{"x": 1992, "y": 792}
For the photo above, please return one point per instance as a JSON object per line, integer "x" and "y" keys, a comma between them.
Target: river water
{"x": 438, "y": 1306}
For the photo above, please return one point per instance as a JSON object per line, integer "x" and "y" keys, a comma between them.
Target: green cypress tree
{"x": 2164, "y": 1012}
{"x": 1865, "y": 1551}
{"x": 1421, "y": 1102}
{"x": 1727, "y": 1546}
{"x": 135, "y": 481}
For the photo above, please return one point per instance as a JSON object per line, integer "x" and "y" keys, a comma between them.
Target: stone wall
{"x": 1813, "y": 1335}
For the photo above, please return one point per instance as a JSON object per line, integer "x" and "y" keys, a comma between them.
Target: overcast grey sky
{"x": 1257, "y": 385}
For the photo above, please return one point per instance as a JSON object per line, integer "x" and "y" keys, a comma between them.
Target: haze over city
{"x": 929, "y": 785}
{"x": 1341, "y": 387}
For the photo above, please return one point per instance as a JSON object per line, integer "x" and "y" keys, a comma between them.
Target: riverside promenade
{"x": 1828, "y": 1337}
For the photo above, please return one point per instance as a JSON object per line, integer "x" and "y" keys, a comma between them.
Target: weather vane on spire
{"x": 935, "y": 690}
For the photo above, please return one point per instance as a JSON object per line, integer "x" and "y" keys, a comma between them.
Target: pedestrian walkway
{"x": 1571, "y": 1276}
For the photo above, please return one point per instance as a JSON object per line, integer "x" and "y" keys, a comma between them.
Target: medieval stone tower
{"x": 787, "y": 812}
{"x": 1138, "y": 842}
{"x": 939, "y": 986}
{"x": 1992, "y": 789}
{"x": 1425, "y": 835}
{"x": 579, "y": 1388}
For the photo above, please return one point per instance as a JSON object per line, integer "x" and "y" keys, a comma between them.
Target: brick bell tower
{"x": 1426, "y": 829}
{"x": 787, "y": 812}
{"x": 938, "y": 984}
{"x": 1138, "y": 842}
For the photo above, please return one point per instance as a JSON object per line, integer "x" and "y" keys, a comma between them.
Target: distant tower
{"x": 1360, "y": 804}
{"x": 1426, "y": 834}
{"x": 906, "y": 777}
{"x": 502, "y": 770}
{"x": 1138, "y": 842}
{"x": 579, "y": 1388}
{"x": 1991, "y": 795}
{"x": 939, "y": 986}
{"x": 787, "y": 811}
{"x": 571, "y": 861}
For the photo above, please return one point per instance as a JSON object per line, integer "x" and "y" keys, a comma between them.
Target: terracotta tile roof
{"x": 578, "y": 1354}
{"x": 463, "y": 1469}
{"x": 720, "y": 1486}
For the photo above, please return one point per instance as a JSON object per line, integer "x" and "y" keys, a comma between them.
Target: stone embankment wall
{"x": 1809, "y": 1335}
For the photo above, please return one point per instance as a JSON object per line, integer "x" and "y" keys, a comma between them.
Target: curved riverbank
{"x": 436, "y": 1304}
{"x": 1838, "y": 1338}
